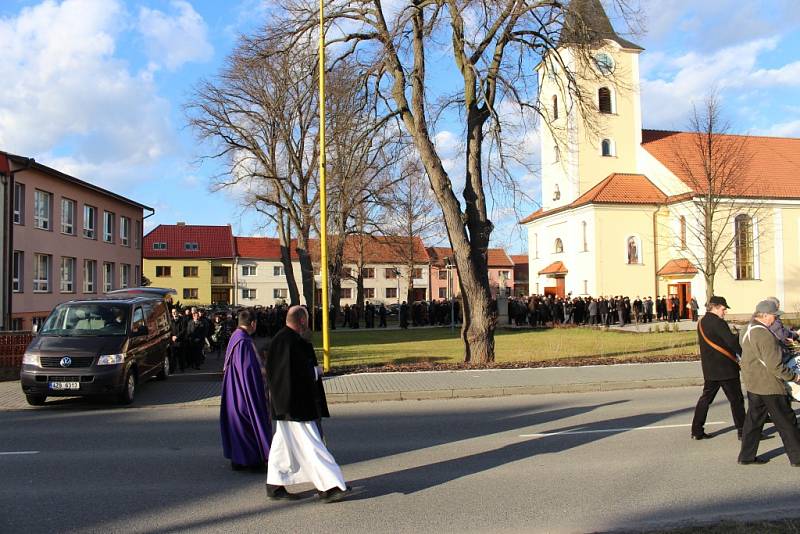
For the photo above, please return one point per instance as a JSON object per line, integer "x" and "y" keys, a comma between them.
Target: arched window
{"x": 607, "y": 148}
{"x": 559, "y": 247}
{"x": 585, "y": 237}
{"x": 743, "y": 241}
{"x": 604, "y": 100}
{"x": 535, "y": 245}
{"x": 555, "y": 107}
{"x": 683, "y": 232}
{"x": 633, "y": 252}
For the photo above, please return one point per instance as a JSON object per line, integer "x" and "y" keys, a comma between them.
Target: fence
{"x": 12, "y": 347}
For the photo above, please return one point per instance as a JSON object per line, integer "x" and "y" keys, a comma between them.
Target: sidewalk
{"x": 202, "y": 388}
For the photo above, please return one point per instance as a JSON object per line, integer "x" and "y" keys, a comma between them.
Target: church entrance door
{"x": 684, "y": 292}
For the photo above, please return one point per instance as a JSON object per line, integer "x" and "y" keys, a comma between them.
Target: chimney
{"x": 181, "y": 223}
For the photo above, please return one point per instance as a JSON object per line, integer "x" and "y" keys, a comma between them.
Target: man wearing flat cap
{"x": 719, "y": 354}
{"x": 764, "y": 375}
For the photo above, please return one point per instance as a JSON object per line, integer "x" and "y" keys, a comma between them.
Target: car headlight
{"x": 30, "y": 358}
{"x": 111, "y": 359}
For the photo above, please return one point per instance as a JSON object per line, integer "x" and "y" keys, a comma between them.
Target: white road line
{"x": 14, "y": 453}
{"x": 612, "y": 430}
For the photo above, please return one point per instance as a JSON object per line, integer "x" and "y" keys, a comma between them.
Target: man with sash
{"x": 719, "y": 356}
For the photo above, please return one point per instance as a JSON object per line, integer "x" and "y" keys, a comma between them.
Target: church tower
{"x": 583, "y": 142}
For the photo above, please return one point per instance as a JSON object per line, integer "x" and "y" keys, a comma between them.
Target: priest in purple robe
{"x": 244, "y": 412}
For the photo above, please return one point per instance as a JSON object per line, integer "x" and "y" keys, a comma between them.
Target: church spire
{"x": 586, "y": 23}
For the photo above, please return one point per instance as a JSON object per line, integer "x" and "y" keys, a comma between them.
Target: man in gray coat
{"x": 764, "y": 375}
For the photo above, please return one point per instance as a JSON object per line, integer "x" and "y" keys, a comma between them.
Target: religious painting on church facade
{"x": 633, "y": 251}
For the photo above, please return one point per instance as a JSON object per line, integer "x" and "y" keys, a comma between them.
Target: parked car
{"x": 106, "y": 346}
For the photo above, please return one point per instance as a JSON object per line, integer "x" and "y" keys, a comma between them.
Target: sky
{"x": 97, "y": 88}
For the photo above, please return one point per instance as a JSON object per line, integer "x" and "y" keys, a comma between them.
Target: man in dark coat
{"x": 403, "y": 315}
{"x": 243, "y": 417}
{"x": 719, "y": 352}
{"x": 297, "y": 404}
{"x": 177, "y": 349}
{"x": 382, "y": 313}
{"x": 196, "y": 339}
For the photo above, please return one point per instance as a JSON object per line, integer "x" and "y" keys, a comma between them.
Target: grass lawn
{"x": 440, "y": 345}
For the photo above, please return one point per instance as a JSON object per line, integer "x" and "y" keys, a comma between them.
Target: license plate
{"x": 65, "y": 385}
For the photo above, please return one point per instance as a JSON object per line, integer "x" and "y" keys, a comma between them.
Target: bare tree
{"x": 493, "y": 47}
{"x": 716, "y": 166}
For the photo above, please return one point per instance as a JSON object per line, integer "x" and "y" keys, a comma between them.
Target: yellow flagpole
{"x": 323, "y": 197}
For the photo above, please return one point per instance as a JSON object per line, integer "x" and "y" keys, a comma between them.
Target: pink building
{"x": 69, "y": 240}
{"x": 501, "y": 268}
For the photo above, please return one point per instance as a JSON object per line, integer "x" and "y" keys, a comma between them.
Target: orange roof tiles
{"x": 557, "y": 267}
{"x": 679, "y": 266}
{"x": 262, "y": 248}
{"x": 772, "y": 163}
{"x": 375, "y": 249}
{"x": 496, "y": 257}
{"x": 519, "y": 259}
{"x": 212, "y": 241}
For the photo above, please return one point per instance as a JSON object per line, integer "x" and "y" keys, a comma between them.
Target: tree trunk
{"x": 285, "y": 239}
{"x": 306, "y": 266}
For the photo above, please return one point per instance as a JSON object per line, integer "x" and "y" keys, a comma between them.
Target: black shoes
{"x": 253, "y": 468}
{"x": 335, "y": 494}
{"x": 702, "y": 435}
{"x": 279, "y": 493}
{"x": 755, "y": 461}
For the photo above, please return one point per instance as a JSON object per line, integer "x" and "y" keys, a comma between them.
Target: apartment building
{"x": 444, "y": 275}
{"x": 69, "y": 239}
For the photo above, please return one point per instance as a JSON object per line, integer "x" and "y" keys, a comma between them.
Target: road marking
{"x": 612, "y": 430}
{"x": 13, "y": 453}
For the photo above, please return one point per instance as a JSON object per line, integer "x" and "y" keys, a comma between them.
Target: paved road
{"x": 528, "y": 463}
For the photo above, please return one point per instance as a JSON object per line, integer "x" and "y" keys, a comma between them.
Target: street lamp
{"x": 397, "y": 277}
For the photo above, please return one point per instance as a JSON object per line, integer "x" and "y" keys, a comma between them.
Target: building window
{"x": 368, "y": 273}
{"x": 190, "y": 293}
{"x": 743, "y": 241}
{"x": 137, "y": 236}
{"x": 390, "y": 273}
{"x": 604, "y": 100}
{"x": 369, "y": 292}
{"x": 163, "y": 271}
{"x": 67, "y": 275}
{"x": 506, "y": 275}
{"x": 159, "y": 246}
{"x": 248, "y": 294}
{"x": 347, "y": 293}
{"x": 607, "y": 148}
{"x": 137, "y": 275}
{"x": 442, "y": 292}
{"x": 18, "y": 268}
{"x": 585, "y": 236}
{"x": 108, "y": 227}
{"x": 559, "y": 246}
{"x": 248, "y": 270}
{"x": 190, "y": 272}
{"x": 633, "y": 251}
{"x": 125, "y": 231}
{"x": 124, "y": 275}
{"x": 41, "y": 209}
{"x": 417, "y": 272}
{"x": 89, "y": 275}
{"x": 19, "y": 203}
{"x": 555, "y": 107}
{"x": 16, "y": 324}
{"x": 89, "y": 222}
{"x": 442, "y": 274}
{"x": 391, "y": 292}
{"x": 41, "y": 273}
{"x": 108, "y": 277}
{"x": 191, "y": 246}
{"x": 683, "y": 232}
{"x": 67, "y": 216}
{"x": 280, "y": 293}
{"x": 277, "y": 270}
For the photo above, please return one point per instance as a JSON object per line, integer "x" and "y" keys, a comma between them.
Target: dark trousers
{"x": 782, "y": 415}
{"x": 732, "y": 389}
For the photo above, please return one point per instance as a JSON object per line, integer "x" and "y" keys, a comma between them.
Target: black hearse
{"x": 104, "y": 346}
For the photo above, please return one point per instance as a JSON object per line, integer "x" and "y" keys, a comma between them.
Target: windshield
{"x": 90, "y": 319}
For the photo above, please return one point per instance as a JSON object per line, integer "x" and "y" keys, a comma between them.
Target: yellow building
{"x": 196, "y": 261}
{"x": 620, "y": 208}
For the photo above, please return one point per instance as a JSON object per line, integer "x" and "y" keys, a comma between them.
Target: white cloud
{"x": 783, "y": 129}
{"x": 177, "y": 39}
{"x": 65, "y": 91}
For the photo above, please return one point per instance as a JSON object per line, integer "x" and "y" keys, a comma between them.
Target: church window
{"x": 607, "y": 148}
{"x": 535, "y": 245}
{"x": 683, "y": 232}
{"x": 604, "y": 100}
{"x": 556, "y": 153}
{"x": 633, "y": 251}
{"x": 743, "y": 242}
{"x": 559, "y": 246}
{"x": 585, "y": 237}
{"x": 555, "y": 107}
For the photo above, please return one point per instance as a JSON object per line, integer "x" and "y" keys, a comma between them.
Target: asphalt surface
{"x": 573, "y": 462}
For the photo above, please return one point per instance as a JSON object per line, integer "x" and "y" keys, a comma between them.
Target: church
{"x": 623, "y": 210}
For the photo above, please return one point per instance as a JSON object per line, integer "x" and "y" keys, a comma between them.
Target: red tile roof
{"x": 258, "y": 248}
{"x": 438, "y": 254}
{"x": 520, "y": 259}
{"x": 497, "y": 257}
{"x": 772, "y": 164}
{"x": 557, "y": 267}
{"x": 375, "y": 249}
{"x": 679, "y": 266}
{"x": 212, "y": 241}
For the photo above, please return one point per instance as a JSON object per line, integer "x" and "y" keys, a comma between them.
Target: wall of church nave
{"x": 625, "y": 260}
{"x": 788, "y": 219}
